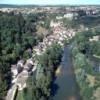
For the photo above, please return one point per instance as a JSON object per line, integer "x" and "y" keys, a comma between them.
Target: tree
{"x": 16, "y": 36}
{"x": 51, "y": 57}
{"x": 3, "y": 88}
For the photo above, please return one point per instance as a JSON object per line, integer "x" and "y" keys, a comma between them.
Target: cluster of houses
{"x": 90, "y": 10}
{"x": 21, "y": 71}
{"x": 95, "y": 38}
{"x": 59, "y": 34}
{"x": 68, "y": 15}
{"x": 20, "y": 74}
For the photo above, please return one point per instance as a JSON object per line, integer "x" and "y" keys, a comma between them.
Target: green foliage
{"x": 52, "y": 56}
{"x": 96, "y": 48}
{"x": 3, "y": 88}
{"x": 40, "y": 88}
{"x": 82, "y": 50}
{"x": 16, "y": 36}
{"x": 80, "y": 60}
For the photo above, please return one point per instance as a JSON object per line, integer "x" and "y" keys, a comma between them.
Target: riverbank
{"x": 86, "y": 66}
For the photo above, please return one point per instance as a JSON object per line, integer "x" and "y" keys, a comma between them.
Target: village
{"x": 90, "y": 10}
{"x": 22, "y": 70}
{"x": 59, "y": 34}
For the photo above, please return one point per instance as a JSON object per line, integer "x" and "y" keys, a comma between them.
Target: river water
{"x": 65, "y": 86}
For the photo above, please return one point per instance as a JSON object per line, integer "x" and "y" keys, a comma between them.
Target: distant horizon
{"x": 50, "y": 2}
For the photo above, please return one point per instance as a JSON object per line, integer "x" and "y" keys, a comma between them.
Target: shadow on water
{"x": 55, "y": 88}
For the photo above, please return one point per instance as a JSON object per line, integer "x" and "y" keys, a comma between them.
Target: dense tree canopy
{"x": 83, "y": 51}
{"x": 16, "y": 36}
{"x": 39, "y": 88}
{"x": 52, "y": 56}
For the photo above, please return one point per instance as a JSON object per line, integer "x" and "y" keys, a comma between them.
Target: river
{"x": 65, "y": 86}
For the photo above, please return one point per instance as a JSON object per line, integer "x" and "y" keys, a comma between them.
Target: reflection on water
{"x": 58, "y": 71}
{"x": 65, "y": 86}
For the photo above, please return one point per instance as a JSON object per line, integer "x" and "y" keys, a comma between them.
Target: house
{"x": 20, "y": 65}
{"x": 14, "y": 71}
{"x": 29, "y": 65}
{"x": 69, "y": 15}
{"x": 94, "y": 38}
{"x": 30, "y": 61}
{"x": 55, "y": 24}
{"x": 59, "y": 17}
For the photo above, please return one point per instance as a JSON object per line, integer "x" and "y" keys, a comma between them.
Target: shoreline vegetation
{"x": 86, "y": 75}
{"x": 45, "y": 73}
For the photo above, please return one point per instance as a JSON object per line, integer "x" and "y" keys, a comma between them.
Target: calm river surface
{"x": 65, "y": 84}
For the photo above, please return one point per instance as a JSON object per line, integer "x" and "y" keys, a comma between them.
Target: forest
{"x": 17, "y": 35}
